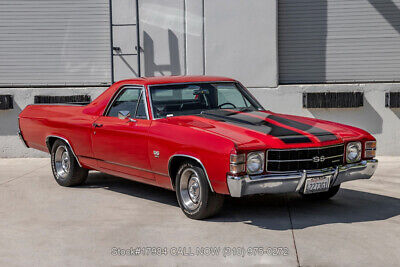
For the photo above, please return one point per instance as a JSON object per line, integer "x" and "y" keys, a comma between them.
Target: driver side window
{"x": 130, "y": 99}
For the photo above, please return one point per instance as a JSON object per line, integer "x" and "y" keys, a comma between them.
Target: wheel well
{"x": 174, "y": 165}
{"x": 50, "y": 142}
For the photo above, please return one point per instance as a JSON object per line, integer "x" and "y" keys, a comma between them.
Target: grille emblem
{"x": 318, "y": 159}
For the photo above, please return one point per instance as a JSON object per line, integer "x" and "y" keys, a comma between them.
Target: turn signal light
{"x": 237, "y": 168}
{"x": 370, "y": 149}
{"x": 237, "y": 163}
{"x": 370, "y": 153}
{"x": 370, "y": 145}
{"x": 236, "y": 159}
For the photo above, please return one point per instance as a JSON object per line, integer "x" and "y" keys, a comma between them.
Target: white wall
{"x": 214, "y": 37}
{"x": 241, "y": 40}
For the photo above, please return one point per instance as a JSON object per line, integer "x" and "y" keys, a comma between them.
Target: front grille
{"x": 280, "y": 160}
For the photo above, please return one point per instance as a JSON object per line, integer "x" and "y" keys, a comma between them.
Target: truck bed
{"x": 37, "y": 123}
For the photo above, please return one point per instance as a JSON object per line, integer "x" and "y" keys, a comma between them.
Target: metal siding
{"x": 240, "y": 40}
{"x": 125, "y": 61}
{"x": 339, "y": 41}
{"x": 54, "y": 42}
{"x": 162, "y": 37}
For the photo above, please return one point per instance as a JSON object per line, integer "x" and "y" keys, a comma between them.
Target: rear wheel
{"x": 66, "y": 169}
{"x": 194, "y": 195}
{"x": 323, "y": 195}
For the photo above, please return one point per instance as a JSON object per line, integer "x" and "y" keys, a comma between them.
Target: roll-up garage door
{"x": 332, "y": 41}
{"x": 54, "y": 42}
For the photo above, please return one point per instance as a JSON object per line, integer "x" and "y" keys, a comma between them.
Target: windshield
{"x": 191, "y": 99}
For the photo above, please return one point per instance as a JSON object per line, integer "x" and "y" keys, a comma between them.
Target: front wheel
{"x": 66, "y": 169}
{"x": 323, "y": 195}
{"x": 194, "y": 195}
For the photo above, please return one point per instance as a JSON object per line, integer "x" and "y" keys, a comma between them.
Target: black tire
{"x": 71, "y": 176}
{"x": 209, "y": 203}
{"x": 323, "y": 195}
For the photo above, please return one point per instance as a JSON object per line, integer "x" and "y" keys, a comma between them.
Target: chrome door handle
{"x": 97, "y": 125}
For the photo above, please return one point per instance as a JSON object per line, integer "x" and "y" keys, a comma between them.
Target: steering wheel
{"x": 227, "y": 103}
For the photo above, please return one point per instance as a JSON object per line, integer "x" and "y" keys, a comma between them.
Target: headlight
{"x": 255, "y": 162}
{"x": 353, "y": 152}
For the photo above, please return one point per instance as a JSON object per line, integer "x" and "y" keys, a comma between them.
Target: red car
{"x": 204, "y": 137}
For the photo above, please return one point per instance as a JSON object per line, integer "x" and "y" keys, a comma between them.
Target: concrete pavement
{"x": 43, "y": 224}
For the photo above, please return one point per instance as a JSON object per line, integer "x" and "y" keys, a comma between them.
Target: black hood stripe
{"x": 321, "y": 134}
{"x": 257, "y": 124}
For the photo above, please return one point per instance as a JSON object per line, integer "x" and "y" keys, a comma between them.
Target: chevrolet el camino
{"x": 204, "y": 137}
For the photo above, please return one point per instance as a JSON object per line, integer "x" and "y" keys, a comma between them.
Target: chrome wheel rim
{"x": 190, "y": 189}
{"x": 62, "y": 162}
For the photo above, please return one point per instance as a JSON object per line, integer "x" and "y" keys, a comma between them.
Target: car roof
{"x": 175, "y": 79}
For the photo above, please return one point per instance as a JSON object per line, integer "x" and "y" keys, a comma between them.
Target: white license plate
{"x": 317, "y": 184}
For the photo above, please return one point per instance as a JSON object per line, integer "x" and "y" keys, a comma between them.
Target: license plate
{"x": 317, "y": 184}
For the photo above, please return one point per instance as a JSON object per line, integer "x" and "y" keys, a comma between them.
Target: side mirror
{"x": 125, "y": 114}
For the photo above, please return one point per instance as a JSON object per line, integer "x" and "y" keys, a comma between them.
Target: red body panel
{"x": 127, "y": 149}
{"x": 132, "y": 137}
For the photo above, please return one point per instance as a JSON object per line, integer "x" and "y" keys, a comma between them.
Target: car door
{"x": 120, "y": 141}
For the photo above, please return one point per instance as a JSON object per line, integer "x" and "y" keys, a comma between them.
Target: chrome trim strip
{"x": 127, "y": 166}
{"x": 66, "y": 141}
{"x": 293, "y": 160}
{"x": 133, "y": 167}
{"x": 151, "y": 104}
{"x": 196, "y": 159}
{"x": 58, "y": 104}
{"x": 303, "y": 148}
{"x": 138, "y": 103}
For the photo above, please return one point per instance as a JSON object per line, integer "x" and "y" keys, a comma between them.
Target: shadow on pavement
{"x": 132, "y": 188}
{"x": 348, "y": 206}
{"x": 271, "y": 211}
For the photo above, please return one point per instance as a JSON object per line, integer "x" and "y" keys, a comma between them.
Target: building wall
{"x": 210, "y": 37}
{"x": 63, "y": 42}
{"x": 222, "y": 37}
{"x": 339, "y": 41}
{"x": 244, "y": 47}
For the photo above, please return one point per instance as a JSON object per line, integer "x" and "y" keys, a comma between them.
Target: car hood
{"x": 265, "y": 129}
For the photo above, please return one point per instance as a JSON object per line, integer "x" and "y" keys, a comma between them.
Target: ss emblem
{"x": 318, "y": 159}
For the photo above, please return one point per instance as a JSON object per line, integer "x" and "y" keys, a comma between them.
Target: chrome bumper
{"x": 294, "y": 181}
